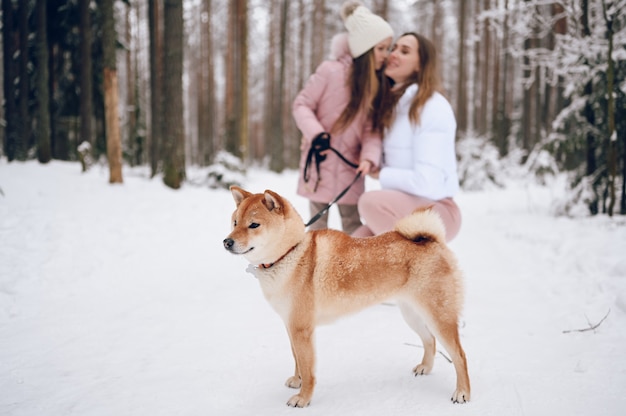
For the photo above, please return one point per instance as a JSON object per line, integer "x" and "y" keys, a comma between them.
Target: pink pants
{"x": 381, "y": 209}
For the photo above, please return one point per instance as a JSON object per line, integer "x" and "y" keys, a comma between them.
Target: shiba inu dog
{"x": 312, "y": 278}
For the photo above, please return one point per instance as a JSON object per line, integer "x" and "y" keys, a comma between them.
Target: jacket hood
{"x": 339, "y": 47}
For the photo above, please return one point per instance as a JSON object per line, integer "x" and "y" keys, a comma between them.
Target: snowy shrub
{"x": 479, "y": 164}
{"x": 84, "y": 155}
{"x": 481, "y": 167}
{"x": 575, "y": 202}
{"x": 226, "y": 170}
{"x": 542, "y": 165}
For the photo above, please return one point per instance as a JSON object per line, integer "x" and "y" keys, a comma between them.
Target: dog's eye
{"x": 254, "y": 225}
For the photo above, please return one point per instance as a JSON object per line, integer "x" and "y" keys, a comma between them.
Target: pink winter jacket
{"x": 315, "y": 110}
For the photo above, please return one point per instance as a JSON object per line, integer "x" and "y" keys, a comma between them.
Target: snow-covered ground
{"x": 121, "y": 300}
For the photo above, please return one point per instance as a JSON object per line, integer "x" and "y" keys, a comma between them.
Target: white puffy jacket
{"x": 421, "y": 159}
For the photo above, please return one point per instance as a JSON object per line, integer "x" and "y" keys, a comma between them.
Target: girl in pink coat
{"x": 337, "y": 105}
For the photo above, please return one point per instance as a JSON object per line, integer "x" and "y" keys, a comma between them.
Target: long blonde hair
{"x": 427, "y": 78}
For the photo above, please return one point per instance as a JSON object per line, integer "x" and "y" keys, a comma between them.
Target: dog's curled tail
{"x": 422, "y": 226}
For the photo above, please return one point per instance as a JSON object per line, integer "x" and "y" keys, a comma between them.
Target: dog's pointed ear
{"x": 273, "y": 201}
{"x": 239, "y": 194}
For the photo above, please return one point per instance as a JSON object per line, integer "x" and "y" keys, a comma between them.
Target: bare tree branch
{"x": 591, "y": 326}
{"x": 440, "y": 352}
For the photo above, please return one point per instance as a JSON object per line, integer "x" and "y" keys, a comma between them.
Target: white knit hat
{"x": 365, "y": 29}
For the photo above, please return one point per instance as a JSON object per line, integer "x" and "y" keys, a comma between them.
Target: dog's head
{"x": 264, "y": 226}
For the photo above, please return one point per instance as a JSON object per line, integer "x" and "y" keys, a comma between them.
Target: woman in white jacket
{"x": 419, "y": 161}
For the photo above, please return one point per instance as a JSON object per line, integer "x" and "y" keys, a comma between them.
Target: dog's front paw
{"x": 460, "y": 396}
{"x": 293, "y": 382}
{"x": 298, "y": 401}
{"x": 421, "y": 370}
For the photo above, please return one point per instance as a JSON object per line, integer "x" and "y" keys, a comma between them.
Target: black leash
{"x": 354, "y": 165}
{"x": 321, "y": 143}
{"x": 337, "y": 198}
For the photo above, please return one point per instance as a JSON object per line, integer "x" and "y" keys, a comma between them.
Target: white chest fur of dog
{"x": 315, "y": 277}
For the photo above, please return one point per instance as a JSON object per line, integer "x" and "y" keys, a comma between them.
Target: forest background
{"x": 536, "y": 84}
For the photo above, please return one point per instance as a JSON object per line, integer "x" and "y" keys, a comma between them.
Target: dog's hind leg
{"x": 415, "y": 321}
{"x": 447, "y": 331}
{"x": 448, "y": 334}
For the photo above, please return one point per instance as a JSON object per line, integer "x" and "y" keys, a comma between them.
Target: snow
{"x": 121, "y": 300}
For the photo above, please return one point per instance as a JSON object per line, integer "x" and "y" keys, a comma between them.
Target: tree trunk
{"x": 156, "y": 85}
{"x": 502, "y": 95}
{"x": 86, "y": 77}
{"x": 277, "y": 162}
{"x": 270, "y": 76}
{"x": 2, "y": 125}
{"x": 461, "y": 103}
{"x": 236, "y": 119}
{"x": 318, "y": 34}
{"x": 10, "y": 105}
{"x": 44, "y": 152}
{"x": 381, "y": 8}
{"x": 436, "y": 29}
{"x": 554, "y": 94}
{"x": 302, "y": 68}
{"x": 206, "y": 98}
{"x": 211, "y": 115}
{"x": 291, "y": 133}
{"x": 487, "y": 75}
{"x": 174, "y": 134}
{"x": 23, "y": 138}
{"x": 611, "y": 133}
{"x": 231, "y": 141}
{"x": 529, "y": 121}
{"x": 242, "y": 22}
{"x": 133, "y": 144}
{"x": 113, "y": 140}
{"x": 588, "y": 113}
{"x": 621, "y": 114}
{"x": 199, "y": 74}
{"x": 475, "y": 104}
